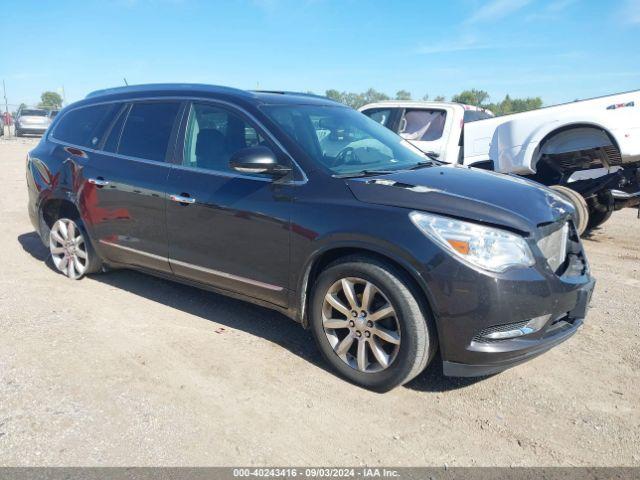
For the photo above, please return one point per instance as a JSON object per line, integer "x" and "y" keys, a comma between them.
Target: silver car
{"x": 32, "y": 120}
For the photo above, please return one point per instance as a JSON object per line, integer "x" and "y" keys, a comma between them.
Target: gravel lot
{"x": 126, "y": 369}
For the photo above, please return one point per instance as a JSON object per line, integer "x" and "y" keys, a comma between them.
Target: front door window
{"x": 213, "y": 135}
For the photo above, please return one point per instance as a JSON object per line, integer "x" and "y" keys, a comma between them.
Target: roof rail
{"x": 285, "y": 92}
{"x": 150, "y": 87}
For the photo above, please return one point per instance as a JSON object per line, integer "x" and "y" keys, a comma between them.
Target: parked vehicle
{"x": 305, "y": 206}
{"x": 31, "y": 120}
{"x": 590, "y": 147}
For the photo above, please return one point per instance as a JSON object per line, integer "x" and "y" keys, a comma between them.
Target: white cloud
{"x": 495, "y": 10}
{"x": 267, "y": 5}
{"x": 469, "y": 43}
{"x": 551, "y": 12}
{"x": 630, "y": 12}
{"x": 560, "y": 5}
{"x": 272, "y": 6}
{"x": 455, "y": 45}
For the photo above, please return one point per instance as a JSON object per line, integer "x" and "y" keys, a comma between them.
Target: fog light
{"x": 531, "y": 326}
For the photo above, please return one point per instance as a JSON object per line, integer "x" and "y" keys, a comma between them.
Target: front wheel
{"x": 369, "y": 325}
{"x": 71, "y": 249}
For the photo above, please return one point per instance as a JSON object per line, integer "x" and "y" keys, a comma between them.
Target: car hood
{"x": 468, "y": 193}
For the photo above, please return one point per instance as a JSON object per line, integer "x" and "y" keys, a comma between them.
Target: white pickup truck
{"x": 591, "y": 147}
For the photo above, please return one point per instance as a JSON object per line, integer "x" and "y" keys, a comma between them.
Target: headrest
{"x": 209, "y": 141}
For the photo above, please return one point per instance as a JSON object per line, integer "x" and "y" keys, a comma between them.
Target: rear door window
{"x": 147, "y": 130}
{"x": 475, "y": 115}
{"x": 33, "y": 113}
{"x": 422, "y": 125}
{"x": 380, "y": 115}
{"x": 85, "y": 126}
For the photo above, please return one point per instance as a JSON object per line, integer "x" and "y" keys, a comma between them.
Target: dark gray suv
{"x": 308, "y": 207}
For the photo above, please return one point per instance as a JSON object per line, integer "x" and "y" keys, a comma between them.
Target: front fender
{"x": 355, "y": 243}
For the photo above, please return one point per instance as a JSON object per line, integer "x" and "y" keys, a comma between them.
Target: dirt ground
{"x": 126, "y": 369}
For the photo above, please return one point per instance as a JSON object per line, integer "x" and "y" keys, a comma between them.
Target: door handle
{"x": 75, "y": 152}
{"x": 182, "y": 199}
{"x": 98, "y": 182}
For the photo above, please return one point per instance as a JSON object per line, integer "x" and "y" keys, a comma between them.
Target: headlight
{"x": 485, "y": 247}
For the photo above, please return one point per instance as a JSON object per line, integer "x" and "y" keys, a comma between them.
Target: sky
{"x": 559, "y": 50}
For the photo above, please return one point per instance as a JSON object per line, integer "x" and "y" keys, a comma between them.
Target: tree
{"x": 51, "y": 100}
{"x": 354, "y": 100}
{"x": 474, "y": 97}
{"x": 471, "y": 97}
{"x": 425, "y": 97}
{"x": 333, "y": 95}
{"x": 372, "y": 95}
{"x": 525, "y": 104}
{"x": 514, "y": 105}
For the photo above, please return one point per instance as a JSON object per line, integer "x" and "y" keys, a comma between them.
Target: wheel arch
{"x": 595, "y": 127}
{"x": 595, "y": 136}
{"x": 328, "y": 255}
{"x": 53, "y": 208}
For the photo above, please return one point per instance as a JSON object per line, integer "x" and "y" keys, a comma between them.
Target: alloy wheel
{"x": 361, "y": 325}
{"x": 68, "y": 248}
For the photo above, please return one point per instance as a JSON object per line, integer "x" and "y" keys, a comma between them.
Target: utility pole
{"x": 6, "y": 106}
{"x": 4, "y": 89}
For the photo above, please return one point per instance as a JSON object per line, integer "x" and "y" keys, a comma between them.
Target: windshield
{"x": 33, "y": 113}
{"x": 344, "y": 141}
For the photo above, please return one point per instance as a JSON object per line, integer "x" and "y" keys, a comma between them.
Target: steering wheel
{"x": 345, "y": 156}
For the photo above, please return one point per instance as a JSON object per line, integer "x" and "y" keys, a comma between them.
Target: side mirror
{"x": 257, "y": 160}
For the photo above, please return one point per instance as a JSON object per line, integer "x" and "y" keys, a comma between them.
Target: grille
{"x": 481, "y": 335}
{"x": 554, "y": 246}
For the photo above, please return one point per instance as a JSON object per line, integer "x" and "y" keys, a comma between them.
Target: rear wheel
{"x": 369, "y": 325}
{"x": 597, "y": 218}
{"x": 581, "y": 219}
{"x": 71, "y": 250}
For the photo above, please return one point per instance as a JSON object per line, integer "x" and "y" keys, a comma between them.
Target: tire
{"x": 579, "y": 203}
{"x": 386, "y": 364}
{"x": 606, "y": 205}
{"x": 71, "y": 249}
{"x": 17, "y": 132}
{"x": 597, "y": 218}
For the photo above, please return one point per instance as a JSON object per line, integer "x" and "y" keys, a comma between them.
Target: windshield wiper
{"x": 426, "y": 163}
{"x": 364, "y": 173}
